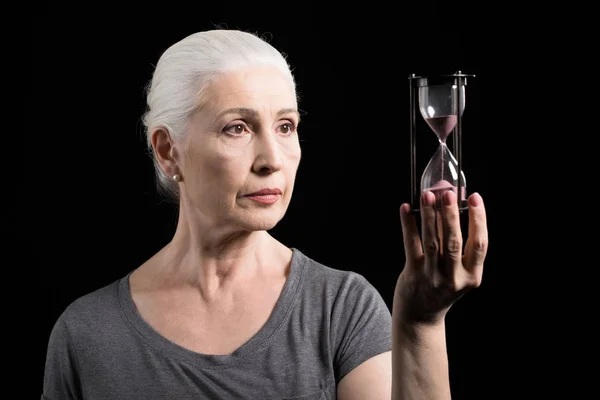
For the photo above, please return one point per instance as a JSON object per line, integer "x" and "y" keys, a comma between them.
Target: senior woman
{"x": 226, "y": 311}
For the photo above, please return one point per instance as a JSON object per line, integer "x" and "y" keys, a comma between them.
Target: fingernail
{"x": 475, "y": 200}
{"x": 428, "y": 198}
{"x": 448, "y": 198}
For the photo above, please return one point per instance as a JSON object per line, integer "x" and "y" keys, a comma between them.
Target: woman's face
{"x": 243, "y": 139}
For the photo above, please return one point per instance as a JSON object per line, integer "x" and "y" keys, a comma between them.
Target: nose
{"x": 268, "y": 154}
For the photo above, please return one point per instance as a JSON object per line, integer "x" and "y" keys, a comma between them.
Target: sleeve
{"x": 362, "y": 325}
{"x": 61, "y": 377}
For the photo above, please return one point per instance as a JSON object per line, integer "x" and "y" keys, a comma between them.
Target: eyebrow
{"x": 254, "y": 114}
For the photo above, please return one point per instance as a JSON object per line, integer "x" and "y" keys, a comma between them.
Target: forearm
{"x": 419, "y": 362}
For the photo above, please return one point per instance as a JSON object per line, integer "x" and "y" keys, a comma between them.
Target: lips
{"x": 265, "y": 192}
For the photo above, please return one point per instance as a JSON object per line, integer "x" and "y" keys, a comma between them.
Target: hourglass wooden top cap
{"x": 427, "y": 80}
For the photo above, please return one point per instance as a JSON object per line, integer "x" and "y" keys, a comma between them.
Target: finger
{"x": 477, "y": 242}
{"x": 431, "y": 243}
{"x": 440, "y": 230}
{"x": 452, "y": 236}
{"x": 410, "y": 233}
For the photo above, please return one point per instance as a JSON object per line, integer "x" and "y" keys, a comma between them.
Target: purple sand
{"x": 442, "y": 126}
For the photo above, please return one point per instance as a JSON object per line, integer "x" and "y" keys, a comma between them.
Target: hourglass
{"x": 441, "y": 101}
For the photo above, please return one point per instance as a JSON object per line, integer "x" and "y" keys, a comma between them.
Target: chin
{"x": 261, "y": 221}
{"x": 263, "y": 225}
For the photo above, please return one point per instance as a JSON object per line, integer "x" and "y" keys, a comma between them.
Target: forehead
{"x": 255, "y": 87}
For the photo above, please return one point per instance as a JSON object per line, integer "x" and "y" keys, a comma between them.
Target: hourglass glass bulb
{"x": 441, "y": 175}
{"x": 440, "y": 107}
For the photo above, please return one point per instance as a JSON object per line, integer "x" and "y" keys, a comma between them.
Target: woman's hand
{"x": 438, "y": 271}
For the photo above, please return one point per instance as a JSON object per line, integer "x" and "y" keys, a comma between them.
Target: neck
{"x": 216, "y": 260}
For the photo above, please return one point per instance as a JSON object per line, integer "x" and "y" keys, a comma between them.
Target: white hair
{"x": 183, "y": 73}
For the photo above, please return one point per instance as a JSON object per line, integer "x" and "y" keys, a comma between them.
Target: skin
{"x": 220, "y": 233}
{"x": 221, "y": 249}
{"x": 440, "y": 268}
{"x": 244, "y": 139}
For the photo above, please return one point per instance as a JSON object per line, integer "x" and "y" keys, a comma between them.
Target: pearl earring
{"x": 176, "y": 178}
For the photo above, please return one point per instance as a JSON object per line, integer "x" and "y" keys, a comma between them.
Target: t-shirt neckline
{"x": 255, "y": 344}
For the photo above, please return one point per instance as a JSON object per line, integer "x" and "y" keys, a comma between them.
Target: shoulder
{"x": 322, "y": 276}
{"x": 91, "y": 311}
{"x": 357, "y": 321}
{"x": 336, "y": 289}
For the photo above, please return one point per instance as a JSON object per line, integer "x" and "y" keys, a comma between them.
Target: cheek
{"x": 226, "y": 172}
{"x": 213, "y": 163}
{"x": 292, "y": 161}
{"x": 293, "y": 153}
{"x": 220, "y": 170}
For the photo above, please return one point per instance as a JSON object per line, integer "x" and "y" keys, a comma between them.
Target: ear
{"x": 165, "y": 152}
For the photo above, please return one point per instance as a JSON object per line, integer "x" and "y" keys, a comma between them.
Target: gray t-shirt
{"x": 325, "y": 323}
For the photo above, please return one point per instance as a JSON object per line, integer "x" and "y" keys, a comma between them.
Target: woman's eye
{"x": 236, "y": 129}
{"x": 287, "y": 128}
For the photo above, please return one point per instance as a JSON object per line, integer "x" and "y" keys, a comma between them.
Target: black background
{"x": 100, "y": 216}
